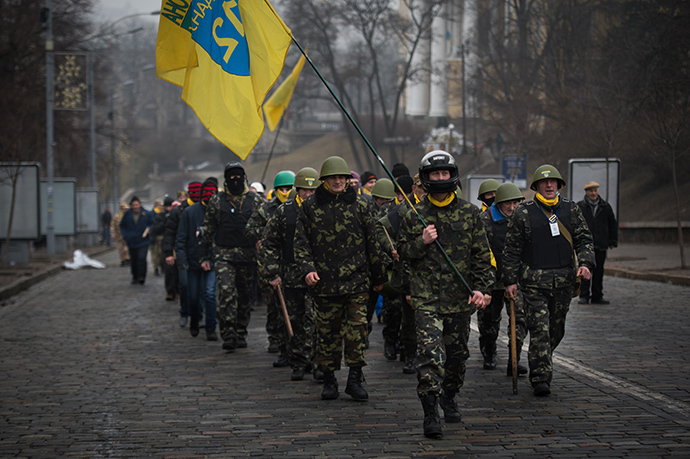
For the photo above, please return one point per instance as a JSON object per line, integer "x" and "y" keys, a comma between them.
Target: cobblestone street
{"x": 92, "y": 366}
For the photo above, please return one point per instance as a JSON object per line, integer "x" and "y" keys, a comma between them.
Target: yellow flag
{"x": 226, "y": 55}
{"x": 280, "y": 99}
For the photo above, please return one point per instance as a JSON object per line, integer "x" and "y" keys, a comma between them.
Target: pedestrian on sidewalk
{"x": 337, "y": 251}
{"x": 442, "y": 304}
{"x": 106, "y": 219}
{"x": 548, "y": 246}
{"x": 122, "y": 250}
{"x": 136, "y": 226}
{"x": 604, "y": 227}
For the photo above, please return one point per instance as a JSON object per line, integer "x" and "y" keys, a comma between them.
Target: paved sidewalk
{"x": 655, "y": 262}
{"x": 94, "y": 367}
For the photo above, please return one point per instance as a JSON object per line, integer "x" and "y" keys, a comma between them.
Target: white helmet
{"x": 257, "y": 186}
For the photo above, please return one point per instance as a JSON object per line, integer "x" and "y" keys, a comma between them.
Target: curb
{"x": 20, "y": 285}
{"x": 648, "y": 276}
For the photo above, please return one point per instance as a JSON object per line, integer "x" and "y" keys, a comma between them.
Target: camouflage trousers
{"x": 545, "y": 312}
{"x": 442, "y": 352}
{"x": 489, "y": 323}
{"x": 233, "y": 288}
{"x": 397, "y": 316}
{"x": 299, "y": 349}
{"x": 341, "y": 326}
{"x": 391, "y": 316}
{"x": 274, "y": 320}
{"x": 157, "y": 259}
{"x": 122, "y": 249}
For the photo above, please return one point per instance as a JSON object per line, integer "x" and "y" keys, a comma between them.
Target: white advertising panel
{"x": 606, "y": 173}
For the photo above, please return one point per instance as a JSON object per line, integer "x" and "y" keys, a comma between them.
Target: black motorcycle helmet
{"x": 434, "y": 161}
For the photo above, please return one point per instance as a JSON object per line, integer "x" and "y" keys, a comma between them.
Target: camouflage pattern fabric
{"x": 519, "y": 233}
{"x": 271, "y": 262}
{"x": 545, "y": 312}
{"x": 233, "y": 288}
{"x": 435, "y": 286}
{"x": 234, "y": 266}
{"x": 300, "y": 307}
{"x": 397, "y": 314}
{"x": 260, "y": 217}
{"x": 275, "y": 325}
{"x": 157, "y": 260}
{"x": 489, "y": 319}
{"x": 341, "y": 319}
{"x": 546, "y": 292}
{"x": 442, "y": 351}
{"x": 212, "y": 223}
{"x": 489, "y": 322}
{"x": 335, "y": 237}
{"x": 439, "y": 298}
{"x": 122, "y": 250}
{"x": 271, "y": 265}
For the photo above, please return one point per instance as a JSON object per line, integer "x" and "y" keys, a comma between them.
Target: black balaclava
{"x": 234, "y": 186}
{"x": 488, "y": 201}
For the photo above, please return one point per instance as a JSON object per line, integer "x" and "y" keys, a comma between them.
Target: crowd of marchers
{"x": 330, "y": 251}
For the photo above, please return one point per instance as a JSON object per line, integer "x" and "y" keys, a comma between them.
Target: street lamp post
{"x": 92, "y": 100}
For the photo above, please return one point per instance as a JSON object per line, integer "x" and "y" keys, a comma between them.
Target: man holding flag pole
{"x": 226, "y": 60}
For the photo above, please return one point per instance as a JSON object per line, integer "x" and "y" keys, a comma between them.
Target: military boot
{"x": 489, "y": 353}
{"x": 389, "y": 350}
{"x": 354, "y": 385}
{"x": 450, "y": 408}
{"x": 409, "y": 367}
{"x": 330, "y": 386}
{"x": 432, "y": 420}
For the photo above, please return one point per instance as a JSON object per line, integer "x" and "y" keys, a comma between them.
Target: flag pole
{"x": 380, "y": 160}
{"x": 270, "y": 154}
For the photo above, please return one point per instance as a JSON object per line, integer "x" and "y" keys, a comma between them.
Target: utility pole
{"x": 50, "y": 101}
{"x": 464, "y": 104}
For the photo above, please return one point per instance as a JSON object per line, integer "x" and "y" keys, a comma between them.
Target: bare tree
{"x": 364, "y": 48}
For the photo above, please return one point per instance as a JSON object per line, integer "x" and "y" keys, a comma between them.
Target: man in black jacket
{"x": 604, "y": 227}
{"x": 175, "y": 275}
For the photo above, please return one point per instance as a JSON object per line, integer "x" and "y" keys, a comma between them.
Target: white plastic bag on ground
{"x": 81, "y": 260}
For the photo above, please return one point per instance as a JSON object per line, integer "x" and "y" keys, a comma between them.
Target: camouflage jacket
{"x": 335, "y": 237}
{"x": 390, "y": 224}
{"x": 434, "y": 285}
{"x": 274, "y": 259}
{"x": 260, "y": 217}
{"x": 516, "y": 271}
{"x": 211, "y": 225}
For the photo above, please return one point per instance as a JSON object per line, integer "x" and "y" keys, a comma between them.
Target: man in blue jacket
{"x": 201, "y": 283}
{"x": 136, "y": 226}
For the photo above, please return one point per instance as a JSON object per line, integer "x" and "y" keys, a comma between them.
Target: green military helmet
{"x": 384, "y": 188}
{"x": 334, "y": 165}
{"x": 487, "y": 186}
{"x": 307, "y": 178}
{"x": 508, "y": 192}
{"x": 284, "y": 178}
{"x": 546, "y": 171}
